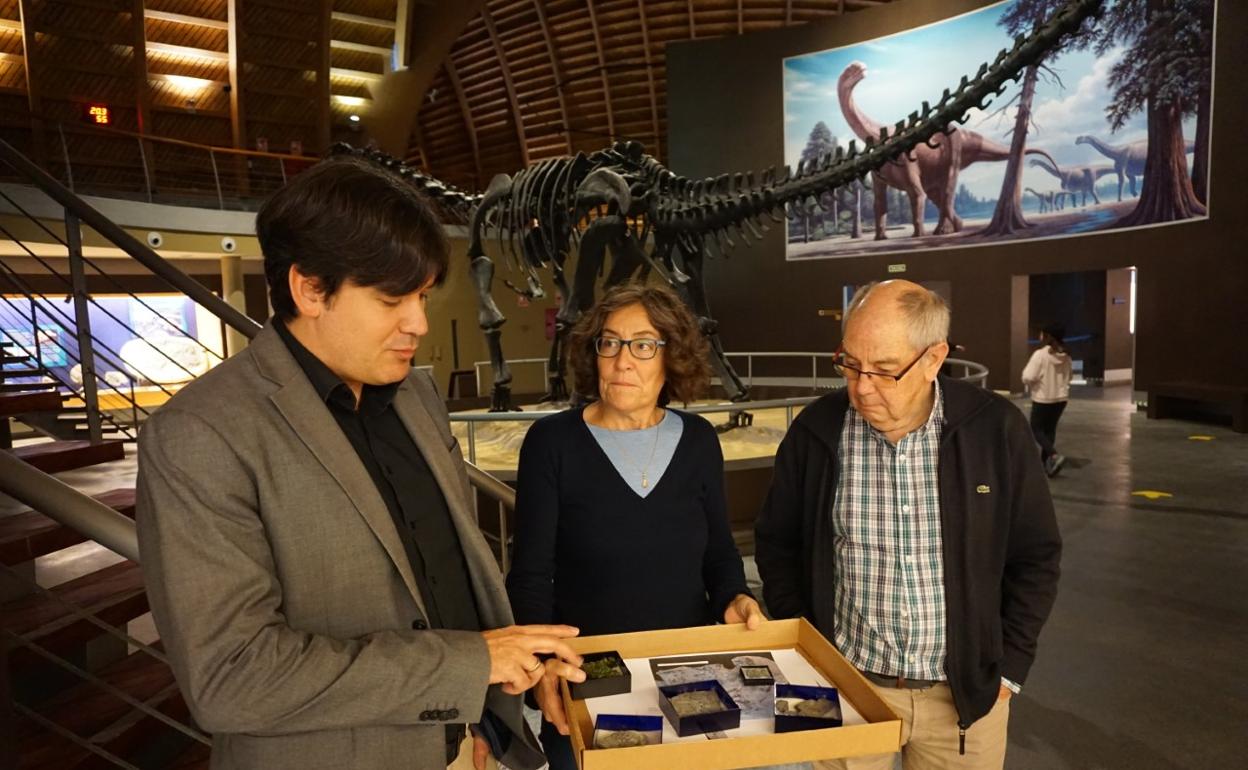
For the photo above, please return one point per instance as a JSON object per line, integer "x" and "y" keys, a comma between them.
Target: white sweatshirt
{"x": 1047, "y": 375}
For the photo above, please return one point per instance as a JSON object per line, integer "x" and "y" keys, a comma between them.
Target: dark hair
{"x": 685, "y": 366}
{"x": 1056, "y": 331}
{"x": 346, "y": 219}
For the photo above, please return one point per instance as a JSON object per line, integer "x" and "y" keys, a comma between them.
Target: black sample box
{"x": 727, "y": 717}
{"x": 757, "y": 676}
{"x": 606, "y": 674}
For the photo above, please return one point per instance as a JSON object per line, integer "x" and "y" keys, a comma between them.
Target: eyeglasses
{"x": 642, "y": 349}
{"x": 881, "y": 379}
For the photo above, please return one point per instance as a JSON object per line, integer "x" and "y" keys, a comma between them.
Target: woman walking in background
{"x": 1047, "y": 376}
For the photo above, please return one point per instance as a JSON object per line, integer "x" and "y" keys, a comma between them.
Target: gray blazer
{"x": 280, "y": 586}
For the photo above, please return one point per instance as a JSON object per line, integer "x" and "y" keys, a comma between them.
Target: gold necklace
{"x": 645, "y": 478}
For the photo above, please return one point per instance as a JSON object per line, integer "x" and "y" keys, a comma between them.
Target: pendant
{"x": 645, "y": 482}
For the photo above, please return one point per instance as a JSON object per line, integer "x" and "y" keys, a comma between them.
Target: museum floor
{"x": 1143, "y": 663}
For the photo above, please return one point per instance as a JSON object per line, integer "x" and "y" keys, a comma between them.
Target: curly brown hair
{"x": 686, "y": 371}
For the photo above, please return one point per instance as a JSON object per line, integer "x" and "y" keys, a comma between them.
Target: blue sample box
{"x": 789, "y": 720}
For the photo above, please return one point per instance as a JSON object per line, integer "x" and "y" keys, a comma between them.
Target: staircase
{"x": 89, "y": 685}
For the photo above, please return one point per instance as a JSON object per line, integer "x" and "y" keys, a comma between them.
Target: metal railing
{"x": 86, "y": 348}
{"x": 99, "y": 160}
{"x": 972, "y": 372}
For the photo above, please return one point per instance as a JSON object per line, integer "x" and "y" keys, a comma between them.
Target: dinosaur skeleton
{"x": 621, "y": 200}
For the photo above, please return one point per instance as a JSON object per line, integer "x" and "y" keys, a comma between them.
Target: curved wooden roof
{"x": 499, "y": 83}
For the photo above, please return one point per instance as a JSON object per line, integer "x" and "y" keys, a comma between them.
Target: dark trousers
{"x": 558, "y": 748}
{"x": 1044, "y": 419}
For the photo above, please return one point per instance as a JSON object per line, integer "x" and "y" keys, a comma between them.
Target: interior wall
{"x": 1075, "y": 301}
{"x": 725, "y": 113}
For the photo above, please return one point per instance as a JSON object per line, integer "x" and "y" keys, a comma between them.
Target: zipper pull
{"x": 961, "y": 740}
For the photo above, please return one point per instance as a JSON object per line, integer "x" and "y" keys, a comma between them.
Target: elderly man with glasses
{"x": 910, "y": 520}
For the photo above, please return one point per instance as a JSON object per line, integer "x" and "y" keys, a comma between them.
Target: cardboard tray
{"x": 881, "y": 734}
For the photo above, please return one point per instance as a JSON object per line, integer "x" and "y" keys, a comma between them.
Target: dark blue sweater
{"x": 591, "y": 553}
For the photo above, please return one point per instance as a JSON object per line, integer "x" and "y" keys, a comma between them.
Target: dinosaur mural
{"x": 1051, "y": 200}
{"x": 623, "y": 202}
{"x": 931, "y": 171}
{"x": 1128, "y": 158}
{"x": 1076, "y": 180}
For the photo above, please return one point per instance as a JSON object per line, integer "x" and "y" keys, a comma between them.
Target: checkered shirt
{"x": 890, "y": 600}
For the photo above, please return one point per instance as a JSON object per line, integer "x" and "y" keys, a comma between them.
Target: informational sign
{"x": 97, "y": 114}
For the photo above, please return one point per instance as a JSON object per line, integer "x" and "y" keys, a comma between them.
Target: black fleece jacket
{"x": 1000, "y": 541}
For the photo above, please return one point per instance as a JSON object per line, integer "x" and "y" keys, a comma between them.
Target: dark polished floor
{"x": 1144, "y": 661}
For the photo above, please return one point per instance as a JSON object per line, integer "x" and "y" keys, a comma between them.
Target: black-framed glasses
{"x": 642, "y": 348}
{"x": 881, "y": 379}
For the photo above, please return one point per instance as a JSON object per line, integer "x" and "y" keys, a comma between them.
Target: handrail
{"x": 128, "y": 243}
{"x": 120, "y": 132}
{"x": 57, "y": 500}
{"x": 491, "y": 485}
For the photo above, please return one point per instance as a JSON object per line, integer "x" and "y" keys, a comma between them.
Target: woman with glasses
{"x": 621, "y": 522}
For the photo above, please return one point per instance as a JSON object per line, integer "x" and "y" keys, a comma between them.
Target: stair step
{"x": 108, "y": 722}
{"x": 57, "y": 456}
{"x": 114, "y": 594}
{"x": 25, "y": 387}
{"x": 26, "y": 372}
{"x": 30, "y": 534}
{"x": 37, "y": 401}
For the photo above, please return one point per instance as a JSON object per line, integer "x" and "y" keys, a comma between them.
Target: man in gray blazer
{"x": 311, "y": 555}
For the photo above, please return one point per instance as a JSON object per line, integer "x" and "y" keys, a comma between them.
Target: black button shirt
{"x": 406, "y": 483}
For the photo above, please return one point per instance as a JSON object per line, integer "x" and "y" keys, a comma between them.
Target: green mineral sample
{"x": 602, "y": 668}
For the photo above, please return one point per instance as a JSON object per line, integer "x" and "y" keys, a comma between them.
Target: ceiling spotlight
{"x": 354, "y": 118}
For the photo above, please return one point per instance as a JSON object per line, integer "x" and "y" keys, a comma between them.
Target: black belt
{"x": 900, "y": 682}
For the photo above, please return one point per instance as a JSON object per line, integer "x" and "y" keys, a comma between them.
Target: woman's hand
{"x": 744, "y": 609}
{"x": 546, "y": 693}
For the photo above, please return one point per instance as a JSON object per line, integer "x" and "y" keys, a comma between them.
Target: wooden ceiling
{"x": 521, "y": 80}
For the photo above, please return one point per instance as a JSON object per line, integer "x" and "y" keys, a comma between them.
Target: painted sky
{"x": 905, "y": 69}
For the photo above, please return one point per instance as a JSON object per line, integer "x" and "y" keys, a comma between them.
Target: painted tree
{"x": 1167, "y": 61}
{"x": 1020, "y": 19}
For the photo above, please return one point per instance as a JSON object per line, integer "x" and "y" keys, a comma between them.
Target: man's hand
{"x": 1005, "y": 693}
{"x": 551, "y": 702}
{"x": 480, "y": 752}
{"x": 744, "y": 609}
{"x": 513, "y": 655}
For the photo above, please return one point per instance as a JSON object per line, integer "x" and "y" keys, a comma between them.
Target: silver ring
{"x": 536, "y": 667}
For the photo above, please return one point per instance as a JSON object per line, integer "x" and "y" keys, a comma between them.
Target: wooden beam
{"x": 142, "y": 92}
{"x": 602, "y": 69}
{"x": 183, "y": 50}
{"x": 740, "y": 17}
{"x": 340, "y": 72}
{"x": 788, "y": 11}
{"x": 11, "y": 24}
{"x": 344, "y": 45}
{"x": 175, "y": 79}
{"x": 693, "y": 30}
{"x": 16, "y": 58}
{"x": 402, "y": 23}
{"x": 463, "y": 109}
{"x": 323, "y": 115}
{"x": 355, "y": 18}
{"x": 33, "y": 102}
{"x": 181, "y": 18}
{"x": 555, "y": 70}
{"x": 654, "y": 100}
{"x": 508, "y": 83}
{"x": 238, "y": 133}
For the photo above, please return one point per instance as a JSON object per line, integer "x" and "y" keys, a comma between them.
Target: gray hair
{"x": 926, "y": 314}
